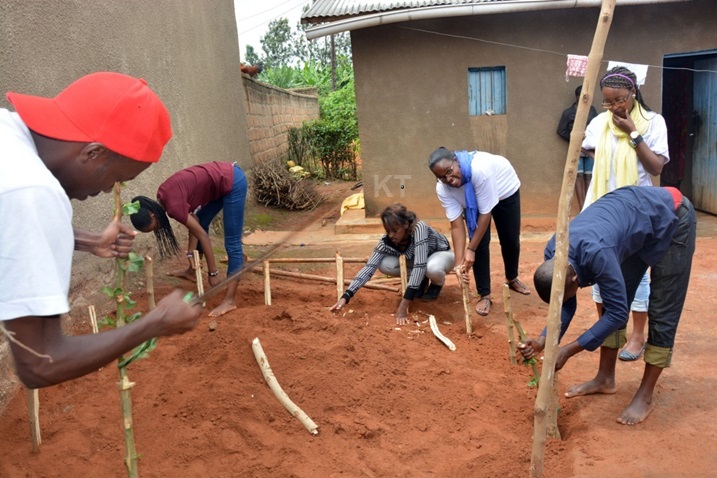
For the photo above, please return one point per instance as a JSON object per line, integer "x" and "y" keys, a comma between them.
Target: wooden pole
{"x": 93, "y": 319}
{"x": 404, "y": 273}
{"x": 149, "y": 273}
{"x": 301, "y": 275}
{"x": 509, "y": 323}
{"x": 198, "y": 273}
{"x": 124, "y": 383}
{"x": 267, "y": 284}
{"x": 339, "y": 275}
{"x": 33, "y": 407}
{"x": 544, "y": 400}
{"x": 466, "y": 295}
{"x": 306, "y": 260}
{"x": 522, "y": 337}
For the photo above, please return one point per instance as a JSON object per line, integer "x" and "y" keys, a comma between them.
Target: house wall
{"x": 186, "y": 50}
{"x": 271, "y": 111}
{"x": 412, "y": 94}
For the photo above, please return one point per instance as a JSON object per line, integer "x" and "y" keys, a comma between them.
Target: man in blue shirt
{"x": 612, "y": 243}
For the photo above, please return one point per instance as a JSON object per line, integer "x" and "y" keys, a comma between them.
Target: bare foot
{"x": 636, "y": 412}
{"x": 591, "y": 387}
{"x": 222, "y": 309}
{"x": 188, "y": 274}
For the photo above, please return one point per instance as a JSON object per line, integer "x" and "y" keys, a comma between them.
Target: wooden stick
{"x": 267, "y": 284}
{"x": 93, "y": 319}
{"x": 301, "y": 275}
{"x": 509, "y": 323}
{"x": 197, "y": 266}
{"x": 124, "y": 383}
{"x": 404, "y": 273}
{"x": 149, "y": 274}
{"x": 466, "y": 295}
{"x": 339, "y": 275}
{"x": 33, "y": 407}
{"x": 544, "y": 401}
{"x": 298, "y": 260}
{"x": 523, "y": 336}
{"x": 434, "y": 328}
{"x": 384, "y": 280}
{"x": 279, "y": 393}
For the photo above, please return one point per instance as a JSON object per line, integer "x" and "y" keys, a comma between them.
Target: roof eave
{"x": 444, "y": 11}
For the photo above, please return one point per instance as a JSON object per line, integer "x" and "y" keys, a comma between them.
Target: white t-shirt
{"x": 655, "y": 138}
{"x": 36, "y": 236}
{"x": 493, "y": 179}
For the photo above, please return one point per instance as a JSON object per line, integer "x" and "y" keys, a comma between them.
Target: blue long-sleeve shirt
{"x": 625, "y": 222}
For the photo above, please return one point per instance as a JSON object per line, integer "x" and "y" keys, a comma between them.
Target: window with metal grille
{"x": 486, "y": 91}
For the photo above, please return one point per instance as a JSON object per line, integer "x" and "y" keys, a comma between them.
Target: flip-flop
{"x": 518, "y": 286}
{"x": 486, "y": 309}
{"x": 627, "y": 356}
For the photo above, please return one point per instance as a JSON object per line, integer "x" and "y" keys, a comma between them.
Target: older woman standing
{"x": 480, "y": 186}
{"x": 629, "y": 143}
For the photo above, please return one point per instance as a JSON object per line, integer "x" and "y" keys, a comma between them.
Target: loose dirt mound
{"x": 388, "y": 402}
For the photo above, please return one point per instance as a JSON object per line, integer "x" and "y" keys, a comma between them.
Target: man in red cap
{"x": 103, "y": 128}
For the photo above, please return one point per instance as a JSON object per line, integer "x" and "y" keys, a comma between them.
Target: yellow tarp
{"x": 355, "y": 201}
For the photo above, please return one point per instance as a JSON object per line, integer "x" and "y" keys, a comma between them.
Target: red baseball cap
{"x": 116, "y": 110}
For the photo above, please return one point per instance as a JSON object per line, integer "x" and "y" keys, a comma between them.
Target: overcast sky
{"x": 253, "y": 18}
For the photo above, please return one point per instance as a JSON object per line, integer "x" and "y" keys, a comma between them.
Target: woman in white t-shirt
{"x": 479, "y": 186}
{"x": 629, "y": 143}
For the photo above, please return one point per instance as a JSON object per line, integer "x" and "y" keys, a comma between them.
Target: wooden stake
{"x": 267, "y": 284}
{"x": 466, "y": 295}
{"x": 124, "y": 383}
{"x": 33, "y": 407}
{"x": 404, "y": 273}
{"x": 339, "y": 275}
{"x": 279, "y": 393}
{"x": 93, "y": 319}
{"x": 509, "y": 323}
{"x": 522, "y": 336}
{"x": 149, "y": 274}
{"x": 544, "y": 401}
{"x": 198, "y": 272}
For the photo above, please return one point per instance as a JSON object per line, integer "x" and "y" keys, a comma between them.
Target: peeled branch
{"x": 279, "y": 393}
{"x": 434, "y": 328}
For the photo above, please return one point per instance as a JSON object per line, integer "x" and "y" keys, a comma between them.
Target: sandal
{"x": 518, "y": 286}
{"x": 486, "y": 306}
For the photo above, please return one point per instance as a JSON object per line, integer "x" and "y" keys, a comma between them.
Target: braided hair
{"x": 621, "y": 77}
{"x": 166, "y": 240}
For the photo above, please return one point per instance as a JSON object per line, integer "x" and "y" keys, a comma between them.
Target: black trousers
{"x": 506, "y": 215}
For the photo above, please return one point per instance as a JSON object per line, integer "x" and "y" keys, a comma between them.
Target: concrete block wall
{"x": 270, "y": 112}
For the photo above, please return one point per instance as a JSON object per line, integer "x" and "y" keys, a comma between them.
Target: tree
{"x": 278, "y": 44}
{"x": 251, "y": 57}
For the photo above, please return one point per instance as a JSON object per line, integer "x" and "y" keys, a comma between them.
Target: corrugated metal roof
{"x": 329, "y": 10}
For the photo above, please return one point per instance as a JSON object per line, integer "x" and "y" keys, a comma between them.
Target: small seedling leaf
{"x": 130, "y": 208}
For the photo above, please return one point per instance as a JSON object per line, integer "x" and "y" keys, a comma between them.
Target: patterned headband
{"x": 621, "y": 76}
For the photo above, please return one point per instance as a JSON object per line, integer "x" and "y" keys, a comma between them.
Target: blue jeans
{"x": 233, "y": 205}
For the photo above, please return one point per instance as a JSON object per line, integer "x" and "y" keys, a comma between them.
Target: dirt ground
{"x": 389, "y": 401}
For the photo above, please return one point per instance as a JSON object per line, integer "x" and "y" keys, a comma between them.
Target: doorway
{"x": 689, "y": 102}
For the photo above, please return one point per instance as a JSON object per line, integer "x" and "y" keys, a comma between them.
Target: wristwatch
{"x": 635, "y": 139}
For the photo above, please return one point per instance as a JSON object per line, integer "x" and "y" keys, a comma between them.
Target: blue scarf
{"x": 471, "y": 213}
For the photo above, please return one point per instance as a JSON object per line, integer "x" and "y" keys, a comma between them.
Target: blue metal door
{"x": 704, "y": 162}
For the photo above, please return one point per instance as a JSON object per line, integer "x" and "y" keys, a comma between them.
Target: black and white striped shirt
{"x": 424, "y": 241}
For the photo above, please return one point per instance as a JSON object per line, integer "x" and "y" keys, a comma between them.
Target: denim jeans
{"x": 233, "y": 205}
